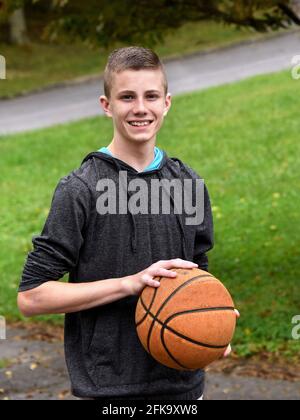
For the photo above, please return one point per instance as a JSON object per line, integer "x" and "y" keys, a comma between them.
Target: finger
{"x": 163, "y": 272}
{"x": 228, "y": 351}
{"x": 149, "y": 281}
{"x": 179, "y": 263}
{"x": 237, "y": 313}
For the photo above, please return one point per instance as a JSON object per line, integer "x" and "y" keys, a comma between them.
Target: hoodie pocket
{"x": 103, "y": 354}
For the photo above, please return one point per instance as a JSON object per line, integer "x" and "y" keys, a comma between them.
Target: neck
{"x": 138, "y": 156}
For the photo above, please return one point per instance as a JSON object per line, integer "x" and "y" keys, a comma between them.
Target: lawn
{"x": 41, "y": 65}
{"x": 243, "y": 139}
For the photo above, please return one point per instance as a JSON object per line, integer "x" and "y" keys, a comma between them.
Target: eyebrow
{"x": 133, "y": 92}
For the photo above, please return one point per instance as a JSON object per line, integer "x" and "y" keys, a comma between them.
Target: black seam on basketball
{"x": 218, "y": 308}
{"x": 167, "y": 300}
{"x": 146, "y": 309}
{"x": 163, "y": 324}
{"x": 167, "y": 350}
{"x": 198, "y": 343}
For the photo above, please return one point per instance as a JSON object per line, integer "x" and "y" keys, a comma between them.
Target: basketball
{"x": 188, "y": 321}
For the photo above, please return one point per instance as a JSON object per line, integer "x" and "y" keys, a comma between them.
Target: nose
{"x": 139, "y": 106}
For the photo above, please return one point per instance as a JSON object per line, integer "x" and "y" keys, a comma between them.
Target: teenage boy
{"x": 111, "y": 256}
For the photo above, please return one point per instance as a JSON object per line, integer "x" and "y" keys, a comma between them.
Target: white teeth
{"x": 139, "y": 123}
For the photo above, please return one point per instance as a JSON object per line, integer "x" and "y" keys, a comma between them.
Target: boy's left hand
{"x": 228, "y": 350}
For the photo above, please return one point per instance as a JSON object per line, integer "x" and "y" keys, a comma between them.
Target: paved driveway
{"x": 198, "y": 71}
{"x": 37, "y": 371}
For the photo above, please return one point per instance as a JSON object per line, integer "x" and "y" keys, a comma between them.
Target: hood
{"x": 120, "y": 165}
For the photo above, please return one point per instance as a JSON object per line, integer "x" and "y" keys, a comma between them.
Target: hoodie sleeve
{"x": 56, "y": 249}
{"x": 204, "y": 239}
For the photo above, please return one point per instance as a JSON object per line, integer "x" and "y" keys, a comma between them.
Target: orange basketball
{"x": 188, "y": 321}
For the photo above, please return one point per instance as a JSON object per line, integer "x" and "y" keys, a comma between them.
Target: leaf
{"x": 33, "y": 366}
{"x": 63, "y": 394}
{"x": 8, "y": 374}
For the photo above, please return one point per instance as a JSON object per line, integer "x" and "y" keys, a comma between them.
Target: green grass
{"x": 244, "y": 140}
{"x": 41, "y": 65}
{"x": 5, "y": 363}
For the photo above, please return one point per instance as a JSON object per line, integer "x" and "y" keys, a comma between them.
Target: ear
{"x": 104, "y": 102}
{"x": 168, "y": 102}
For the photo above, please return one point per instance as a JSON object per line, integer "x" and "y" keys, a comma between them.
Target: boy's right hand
{"x": 135, "y": 284}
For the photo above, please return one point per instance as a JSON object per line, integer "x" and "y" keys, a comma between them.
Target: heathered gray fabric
{"x": 103, "y": 353}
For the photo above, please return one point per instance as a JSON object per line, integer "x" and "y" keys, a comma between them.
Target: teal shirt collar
{"x": 158, "y": 156}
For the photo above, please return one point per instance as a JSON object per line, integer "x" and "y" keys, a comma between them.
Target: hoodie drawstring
{"x": 179, "y": 219}
{"x": 134, "y": 227}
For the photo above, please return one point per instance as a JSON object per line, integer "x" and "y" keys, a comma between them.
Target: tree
{"x": 12, "y": 11}
{"x": 105, "y": 22}
{"x": 295, "y": 6}
{"x": 18, "y": 28}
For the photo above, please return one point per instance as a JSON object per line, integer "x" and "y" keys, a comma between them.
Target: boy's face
{"x": 137, "y": 95}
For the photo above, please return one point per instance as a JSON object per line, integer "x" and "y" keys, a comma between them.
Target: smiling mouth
{"x": 139, "y": 124}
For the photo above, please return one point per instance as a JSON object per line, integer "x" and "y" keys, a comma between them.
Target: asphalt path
{"x": 187, "y": 74}
{"x": 36, "y": 370}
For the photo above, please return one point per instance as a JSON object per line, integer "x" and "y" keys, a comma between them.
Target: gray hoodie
{"x": 103, "y": 354}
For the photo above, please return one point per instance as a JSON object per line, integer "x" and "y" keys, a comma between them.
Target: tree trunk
{"x": 18, "y": 29}
{"x": 295, "y": 5}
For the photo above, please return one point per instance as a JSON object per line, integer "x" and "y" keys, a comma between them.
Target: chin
{"x": 141, "y": 137}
